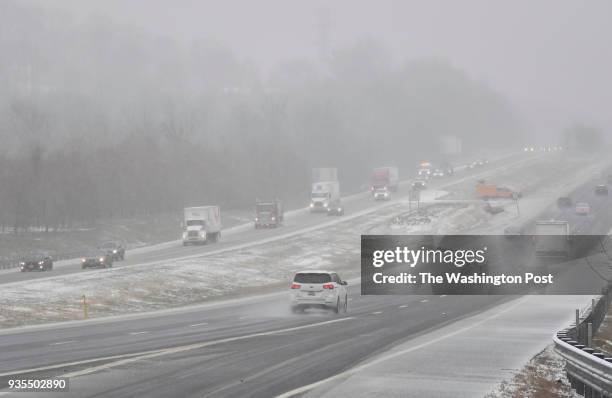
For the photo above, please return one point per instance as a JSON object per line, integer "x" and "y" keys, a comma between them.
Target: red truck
{"x": 269, "y": 214}
{"x": 385, "y": 177}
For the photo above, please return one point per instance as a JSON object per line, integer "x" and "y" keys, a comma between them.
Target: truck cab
{"x": 201, "y": 225}
{"x": 323, "y": 194}
{"x": 268, "y": 214}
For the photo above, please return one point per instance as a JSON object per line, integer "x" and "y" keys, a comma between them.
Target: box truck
{"x": 201, "y": 225}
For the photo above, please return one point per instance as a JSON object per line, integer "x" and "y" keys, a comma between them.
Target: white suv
{"x": 318, "y": 289}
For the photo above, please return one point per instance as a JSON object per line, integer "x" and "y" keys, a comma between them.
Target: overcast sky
{"x": 551, "y": 58}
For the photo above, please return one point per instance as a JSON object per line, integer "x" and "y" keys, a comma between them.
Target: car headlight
{"x": 312, "y": 205}
{"x": 325, "y": 205}
{"x": 273, "y": 218}
{"x": 22, "y": 263}
{"x": 101, "y": 259}
{"x": 82, "y": 260}
{"x": 184, "y": 235}
{"x": 115, "y": 251}
{"x": 339, "y": 208}
{"x": 40, "y": 262}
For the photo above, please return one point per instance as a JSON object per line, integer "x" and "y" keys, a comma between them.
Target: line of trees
{"x": 99, "y": 120}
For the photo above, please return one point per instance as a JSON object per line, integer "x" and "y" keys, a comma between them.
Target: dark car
{"x": 564, "y": 202}
{"x": 115, "y": 249}
{"x": 36, "y": 263}
{"x": 335, "y": 209}
{"x": 100, "y": 259}
{"x": 601, "y": 190}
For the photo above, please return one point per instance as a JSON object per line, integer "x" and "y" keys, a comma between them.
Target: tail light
{"x": 295, "y": 286}
{"x": 328, "y": 286}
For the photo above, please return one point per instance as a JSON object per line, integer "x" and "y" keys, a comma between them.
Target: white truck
{"x": 323, "y": 194}
{"x": 201, "y": 225}
{"x": 552, "y": 238}
{"x": 324, "y": 174}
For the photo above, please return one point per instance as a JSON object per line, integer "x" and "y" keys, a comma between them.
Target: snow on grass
{"x": 543, "y": 377}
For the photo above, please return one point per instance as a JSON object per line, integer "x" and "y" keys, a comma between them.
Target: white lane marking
{"x": 403, "y": 306}
{"x": 198, "y": 324}
{"x": 376, "y": 312}
{"x": 64, "y": 342}
{"x": 444, "y": 295}
{"x": 128, "y": 358}
{"x": 135, "y": 333}
{"x": 308, "y": 387}
{"x": 197, "y": 346}
{"x": 424, "y": 301}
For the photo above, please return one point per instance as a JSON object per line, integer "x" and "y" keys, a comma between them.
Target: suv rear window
{"x": 312, "y": 278}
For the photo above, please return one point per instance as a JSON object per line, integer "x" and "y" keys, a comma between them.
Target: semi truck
{"x": 386, "y": 177}
{"x": 552, "y": 238}
{"x": 323, "y": 194}
{"x": 325, "y": 188}
{"x": 201, "y": 225}
{"x": 269, "y": 214}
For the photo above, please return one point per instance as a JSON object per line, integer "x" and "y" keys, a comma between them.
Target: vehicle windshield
{"x": 109, "y": 245}
{"x": 312, "y": 278}
{"x": 319, "y": 194}
{"x": 191, "y": 223}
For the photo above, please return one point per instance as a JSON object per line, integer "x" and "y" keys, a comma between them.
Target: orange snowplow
{"x": 492, "y": 191}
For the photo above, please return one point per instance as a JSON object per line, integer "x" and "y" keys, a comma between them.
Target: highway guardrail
{"x": 588, "y": 370}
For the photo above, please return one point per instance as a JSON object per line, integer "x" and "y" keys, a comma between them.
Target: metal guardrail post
{"x": 589, "y": 335}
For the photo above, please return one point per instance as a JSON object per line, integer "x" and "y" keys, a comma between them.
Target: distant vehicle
{"x": 335, "y": 209}
{"x": 437, "y": 169}
{"x": 323, "y": 194}
{"x": 564, "y": 202}
{"x": 478, "y": 163}
{"x": 385, "y": 177}
{"x": 100, "y": 259}
{"x": 381, "y": 194}
{"x": 601, "y": 190}
{"x": 36, "y": 263}
{"x": 552, "y": 238}
{"x": 419, "y": 184}
{"x": 583, "y": 208}
{"x": 201, "y": 225}
{"x": 491, "y": 191}
{"x": 269, "y": 214}
{"x": 318, "y": 289}
{"x": 425, "y": 169}
{"x": 115, "y": 249}
{"x": 609, "y": 179}
{"x": 438, "y": 173}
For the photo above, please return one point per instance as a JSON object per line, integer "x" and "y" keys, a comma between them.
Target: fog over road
{"x": 245, "y": 347}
